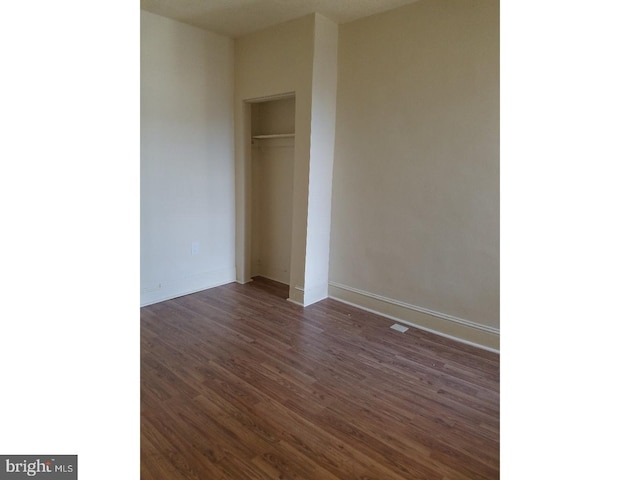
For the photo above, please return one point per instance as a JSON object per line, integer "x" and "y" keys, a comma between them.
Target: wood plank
{"x": 236, "y": 382}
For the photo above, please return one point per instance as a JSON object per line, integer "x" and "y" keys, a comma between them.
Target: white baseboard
{"x": 313, "y": 294}
{"x": 294, "y": 302}
{"x": 307, "y": 296}
{"x": 449, "y": 326}
{"x": 167, "y": 290}
{"x": 296, "y": 295}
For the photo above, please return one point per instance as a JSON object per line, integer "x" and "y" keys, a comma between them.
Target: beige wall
{"x": 415, "y": 222}
{"x": 414, "y": 230}
{"x": 268, "y": 63}
{"x": 298, "y": 57}
{"x": 272, "y": 189}
{"x": 274, "y": 117}
{"x": 186, "y": 159}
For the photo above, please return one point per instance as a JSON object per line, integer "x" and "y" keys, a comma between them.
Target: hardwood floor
{"x": 237, "y": 383}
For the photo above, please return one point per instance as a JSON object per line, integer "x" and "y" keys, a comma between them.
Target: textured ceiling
{"x": 239, "y": 17}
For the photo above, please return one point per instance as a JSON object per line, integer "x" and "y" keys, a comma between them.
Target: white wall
{"x": 187, "y": 166}
{"x": 415, "y": 224}
{"x": 323, "y": 127}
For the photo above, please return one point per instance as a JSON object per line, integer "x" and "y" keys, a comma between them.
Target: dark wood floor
{"x": 237, "y": 383}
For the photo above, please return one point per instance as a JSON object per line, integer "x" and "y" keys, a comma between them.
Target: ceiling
{"x": 235, "y": 18}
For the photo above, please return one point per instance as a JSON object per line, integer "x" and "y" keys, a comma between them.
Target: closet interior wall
{"x": 272, "y": 158}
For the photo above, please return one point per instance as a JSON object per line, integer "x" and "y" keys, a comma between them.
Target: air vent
{"x": 399, "y": 328}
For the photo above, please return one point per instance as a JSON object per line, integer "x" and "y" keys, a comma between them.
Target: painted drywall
{"x": 415, "y": 223}
{"x": 323, "y": 120}
{"x": 274, "y": 117}
{"x": 186, "y": 159}
{"x": 272, "y": 189}
{"x": 269, "y": 63}
{"x": 274, "y": 62}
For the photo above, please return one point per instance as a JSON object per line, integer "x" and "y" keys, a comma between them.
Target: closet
{"x": 272, "y": 158}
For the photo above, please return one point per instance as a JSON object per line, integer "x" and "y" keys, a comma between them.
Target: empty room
{"x": 320, "y": 254}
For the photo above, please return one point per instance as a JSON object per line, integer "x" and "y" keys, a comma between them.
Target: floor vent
{"x": 399, "y": 328}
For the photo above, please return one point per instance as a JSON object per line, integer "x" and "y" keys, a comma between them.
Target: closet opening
{"x": 271, "y": 187}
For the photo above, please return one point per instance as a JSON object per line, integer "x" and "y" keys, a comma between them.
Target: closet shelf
{"x": 276, "y": 135}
